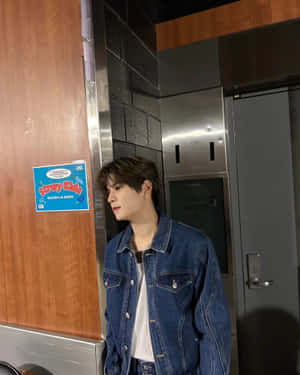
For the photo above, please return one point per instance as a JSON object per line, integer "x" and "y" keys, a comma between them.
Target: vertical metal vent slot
{"x": 212, "y": 150}
{"x": 177, "y": 154}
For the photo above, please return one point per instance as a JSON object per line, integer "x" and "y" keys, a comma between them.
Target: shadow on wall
{"x": 269, "y": 343}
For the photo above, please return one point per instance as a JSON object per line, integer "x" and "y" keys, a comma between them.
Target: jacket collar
{"x": 160, "y": 241}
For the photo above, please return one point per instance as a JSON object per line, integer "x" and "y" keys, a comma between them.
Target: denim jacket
{"x": 188, "y": 314}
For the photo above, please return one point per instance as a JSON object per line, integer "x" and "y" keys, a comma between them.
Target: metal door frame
{"x": 239, "y": 263}
{"x": 234, "y": 212}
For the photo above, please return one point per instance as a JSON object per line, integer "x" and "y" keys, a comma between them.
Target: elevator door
{"x": 268, "y": 330}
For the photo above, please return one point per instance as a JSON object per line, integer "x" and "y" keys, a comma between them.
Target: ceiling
{"x": 165, "y": 10}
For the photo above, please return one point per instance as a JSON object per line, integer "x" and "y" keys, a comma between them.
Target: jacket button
{"x": 106, "y": 283}
{"x": 130, "y": 254}
{"x": 127, "y": 315}
{"x": 174, "y": 284}
{"x": 131, "y": 282}
{"x": 125, "y": 347}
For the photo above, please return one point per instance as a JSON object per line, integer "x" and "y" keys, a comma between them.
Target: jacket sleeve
{"x": 212, "y": 318}
{"x": 112, "y": 361}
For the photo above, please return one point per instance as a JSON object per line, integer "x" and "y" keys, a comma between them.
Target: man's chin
{"x": 120, "y": 218}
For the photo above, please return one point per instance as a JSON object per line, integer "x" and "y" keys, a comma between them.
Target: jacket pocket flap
{"x": 111, "y": 280}
{"x": 174, "y": 282}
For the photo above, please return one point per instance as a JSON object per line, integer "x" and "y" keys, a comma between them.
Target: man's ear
{"x": 147, "y": 186}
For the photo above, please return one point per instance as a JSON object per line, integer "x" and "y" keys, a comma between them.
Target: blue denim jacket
{"x": 188, "y": 313}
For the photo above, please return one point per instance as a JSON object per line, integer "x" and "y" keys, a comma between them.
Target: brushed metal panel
{"x": 192, "y": 121}
{"x": 57, "y": 354}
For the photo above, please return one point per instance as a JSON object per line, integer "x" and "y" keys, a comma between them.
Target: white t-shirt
{"x": 141, "y": 341}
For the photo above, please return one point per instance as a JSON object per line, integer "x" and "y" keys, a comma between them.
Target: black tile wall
{"x": 141, "y": 24}
{"x": 151, "y": 155}
{"x": 118, "y": 79}
{"x": 140, "y": 86}
{"x": 120, "y": 6}
{"x": 141, "y": 59}
{"x": 114, "y": 33}
{"x": 136, "y": 126}
{"x": 146, "y": 103}
{"x": 133, "y": 82}
{"x": 122, "y": 149}
{"x": 154, "y": 133}
{"x": 117, "y": 120}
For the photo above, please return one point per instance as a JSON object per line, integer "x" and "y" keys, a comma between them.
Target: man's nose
{"x": 110, "y": 197}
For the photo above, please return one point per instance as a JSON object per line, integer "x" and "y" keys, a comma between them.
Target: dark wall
{"x": 165, "y": 10}
{"x": 261, "y": 58}
{"x": 189, "y": 68}
{"x": 132, "y": 65}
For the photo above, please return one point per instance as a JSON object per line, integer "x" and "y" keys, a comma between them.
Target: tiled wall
{"x": 133, "y": 81}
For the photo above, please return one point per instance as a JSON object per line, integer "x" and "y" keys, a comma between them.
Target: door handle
{"x": 254, "y": 263}
{"x": 256, "y": 283}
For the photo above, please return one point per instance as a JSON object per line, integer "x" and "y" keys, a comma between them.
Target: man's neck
{"x": 144, "y": 229}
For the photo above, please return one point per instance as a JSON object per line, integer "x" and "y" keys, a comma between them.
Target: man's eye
{"x": 118, "y": 187}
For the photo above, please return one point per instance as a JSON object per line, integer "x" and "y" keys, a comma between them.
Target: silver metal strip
{"x": 98, "y": 121}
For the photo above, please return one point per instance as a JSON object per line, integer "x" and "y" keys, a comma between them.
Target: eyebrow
{"x": 113, "y": 185}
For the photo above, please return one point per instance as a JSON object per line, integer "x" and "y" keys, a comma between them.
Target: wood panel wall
{"x": 227, "y": 19}
{"x": 48, "y": 277}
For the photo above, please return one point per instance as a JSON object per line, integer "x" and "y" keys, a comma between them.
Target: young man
{"x": 166, "y": 308}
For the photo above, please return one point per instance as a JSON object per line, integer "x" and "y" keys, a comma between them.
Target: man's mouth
{"x": 115, "y": 209}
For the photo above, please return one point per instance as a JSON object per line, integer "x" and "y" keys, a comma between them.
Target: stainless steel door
{"x": 269, "y": 328}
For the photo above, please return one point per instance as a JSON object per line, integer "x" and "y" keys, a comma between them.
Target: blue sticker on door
{"x": 61, "y": 187}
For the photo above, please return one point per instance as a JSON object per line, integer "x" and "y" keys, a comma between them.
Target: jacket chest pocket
{"x": 112, "y": 279}
{"x": 174, "y": 282}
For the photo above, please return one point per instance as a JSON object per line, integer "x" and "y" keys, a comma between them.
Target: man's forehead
{"x": 111, "y": 181}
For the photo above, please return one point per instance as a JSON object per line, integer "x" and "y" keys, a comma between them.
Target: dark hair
{"x": 132, "y": 171}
